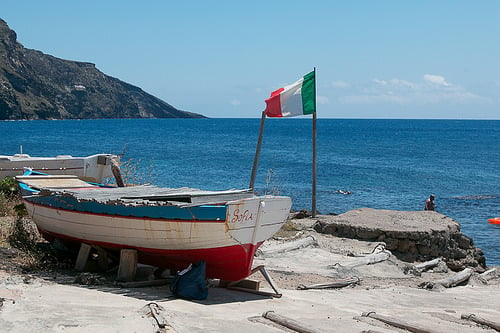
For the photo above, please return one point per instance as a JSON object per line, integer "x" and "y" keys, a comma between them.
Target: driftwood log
{"x": 334, "y": 284}
{"x": 379, "y": 254}
{"x": 451, "y": 281}
{"x": 482, "y": 321}
{"x": 456, "y": 279}
{"x": 155, "y": 312}
{"x": 287, "y": 322}
{"x": 428, "y": 264}
{"x": 290, "y": 246}
{"x": 397, "y": 323}
{"x": 488, "y": 275}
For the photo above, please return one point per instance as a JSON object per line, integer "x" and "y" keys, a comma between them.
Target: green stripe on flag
{"x": 309, "y": 93}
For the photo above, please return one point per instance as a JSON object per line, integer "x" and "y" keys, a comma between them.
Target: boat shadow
{"x": 161, "y": 293}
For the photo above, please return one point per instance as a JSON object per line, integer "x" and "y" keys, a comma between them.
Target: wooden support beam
{"x": 102, "y": 258}
{"x": 245, "y": 284}
{"x": 83, "y": 255}
{"x": 128, "y": 265}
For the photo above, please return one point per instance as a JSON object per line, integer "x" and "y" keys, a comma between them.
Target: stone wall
{"x": 410, "y": 236}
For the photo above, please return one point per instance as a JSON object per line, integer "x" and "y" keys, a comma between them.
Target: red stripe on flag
{"x": 273, "y": 108}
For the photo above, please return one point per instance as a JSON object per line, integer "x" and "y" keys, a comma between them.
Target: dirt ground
{"x": 60, "y": 300}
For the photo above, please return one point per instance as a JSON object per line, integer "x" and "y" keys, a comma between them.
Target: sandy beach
{"x": 53, "y": 302}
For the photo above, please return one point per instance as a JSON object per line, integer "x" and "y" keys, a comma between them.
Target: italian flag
{"x": 293, "y": 100}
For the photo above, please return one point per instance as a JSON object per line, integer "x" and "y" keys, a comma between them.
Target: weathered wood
{"x": 148, "y": 283}
{"x": 428, "y": 264}
{"x": 370, "y": 259}
{"x": 128, "y": 265}
{"x": 482, "y": 321}
{"x": 334, "y": 284}
{"x": 397, "y": 323}
{"x": 155, "y": 311}
{"x": 257, "y": 151}
{"x": 290, "y": 246}
{"x": 115, "y": 169}
{"x": 287, "y": 322}
{"x": 265, "y": 274}
{"x": 83, "y": 255}
{"x": 102, "y": 258}
{"x": 488, "y": 275}
{"x": 246, "y": 284}
{"x": 454, "y": 280}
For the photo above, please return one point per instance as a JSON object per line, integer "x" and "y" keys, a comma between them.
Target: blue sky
{"x": 373, "y": 59}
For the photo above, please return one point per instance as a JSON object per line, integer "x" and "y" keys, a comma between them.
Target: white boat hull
{"x": 91, "y": 168}
{"x": 227, "y": 245}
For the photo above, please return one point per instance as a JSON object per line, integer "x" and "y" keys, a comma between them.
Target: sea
{"x": 383, "y": 164}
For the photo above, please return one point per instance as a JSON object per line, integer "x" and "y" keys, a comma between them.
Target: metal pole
{"x": 314, "y": 166}
{"x": 257, "y": 150}
{"x": 314, "y": 152}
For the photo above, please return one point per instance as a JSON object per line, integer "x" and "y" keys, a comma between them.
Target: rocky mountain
{"x": 34, "y": 85}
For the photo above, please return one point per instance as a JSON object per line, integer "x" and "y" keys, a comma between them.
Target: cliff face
{"x": 34, "y": 85}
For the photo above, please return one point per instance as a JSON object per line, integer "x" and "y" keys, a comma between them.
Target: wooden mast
{"x": 257, "y": 151}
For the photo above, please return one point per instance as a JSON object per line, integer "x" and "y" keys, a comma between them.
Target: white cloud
{"x": 235, "y": 102}
{"x": 380, "y": 82}
{"x": 340, "y": 84}
{"x": 436, "y": 79}
{"x": 433, "y": 89}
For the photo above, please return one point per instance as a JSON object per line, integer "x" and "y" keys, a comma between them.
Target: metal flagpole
{"x": 314, "y": 152}
{"x": 257, "y": 150}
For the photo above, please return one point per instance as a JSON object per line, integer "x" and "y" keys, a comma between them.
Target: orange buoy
{"x": 495, "y": 220}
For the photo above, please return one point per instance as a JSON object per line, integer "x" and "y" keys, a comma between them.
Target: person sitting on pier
{"x": 429, "y": 203}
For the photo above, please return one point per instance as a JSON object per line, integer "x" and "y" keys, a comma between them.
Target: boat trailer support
{"x": 262, "y": 269}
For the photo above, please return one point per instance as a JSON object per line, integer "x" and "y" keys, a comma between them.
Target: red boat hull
{"x": 230, "y": 263}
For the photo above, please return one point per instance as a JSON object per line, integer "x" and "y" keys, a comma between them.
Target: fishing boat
{"x": 92, "y": 168}
{"x": 169, "y": 227}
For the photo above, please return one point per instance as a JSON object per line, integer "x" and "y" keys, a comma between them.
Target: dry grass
{"x": 18, "y": 235}
{"x": 133, "y": 173}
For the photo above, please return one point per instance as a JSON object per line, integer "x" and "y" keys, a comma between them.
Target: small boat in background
{"x": 495, "y": 220}
{"x": 169, "y": 228}
{"x": 94, "y": 168}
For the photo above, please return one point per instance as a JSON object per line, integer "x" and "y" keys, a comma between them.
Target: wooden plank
{"x": 59, "y": 181}
{"x": 102, "y": 258}
{"x": 83, "y": 255}
{"x": 128, "y": 265}
{"x": 246, "y": 284}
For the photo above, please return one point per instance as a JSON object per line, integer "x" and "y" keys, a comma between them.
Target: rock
{"x": 411, "y": 236}
{"x": 367, "y": 234}
{"x": 35, "y": 85}
{"x": 302, "y": 214}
